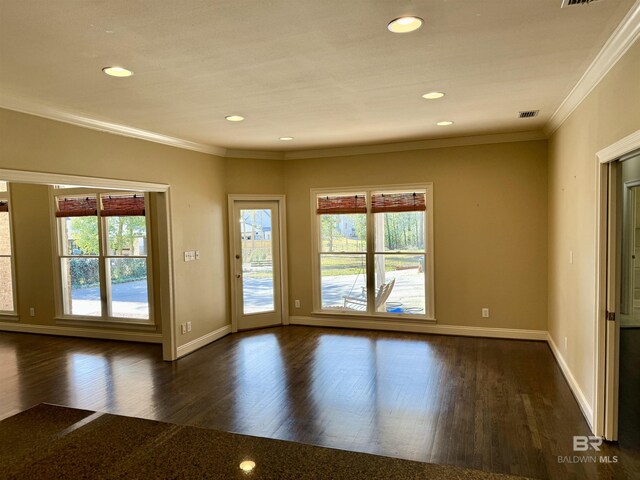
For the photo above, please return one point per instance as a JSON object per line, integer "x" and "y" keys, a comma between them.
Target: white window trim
{"x": 429, "y": 315}
{"x": 11, "y": 314}
{"x": 105, "y": 319}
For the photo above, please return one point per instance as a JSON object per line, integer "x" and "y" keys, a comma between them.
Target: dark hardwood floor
{"x": 495, "y": 405}
{"x": 629, "y": 390}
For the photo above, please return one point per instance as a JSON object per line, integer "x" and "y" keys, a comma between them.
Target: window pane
{"x": 400, "y": 284}
{"x": 81, "y": 286}
{"x": 399, "y": 231}
{"x": 6, "y": 285}
{"x": 127, "y": 235}
{"x": 79, "y": 235}
{"x": 343, "y": 282}
{"x": 3, "y": 186}
{"x": 128, "y": 281}
{"x": 343, "y": 233}
{"x": 258, "y": 292}
{"x": 5, "y": 234}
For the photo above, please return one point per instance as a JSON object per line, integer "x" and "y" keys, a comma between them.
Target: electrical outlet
{"x": 197, "y": 254}
{"x": 184, "y": 328}
{"x": 191, "y": 255}
{"x": 297, "y": 303}
{"x": 188, "y": 326}
{"x": 485, "y": 312}
{"x": 32, "y": 311}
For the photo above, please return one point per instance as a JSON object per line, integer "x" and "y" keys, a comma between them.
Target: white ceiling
{"x": 326, "y": 72}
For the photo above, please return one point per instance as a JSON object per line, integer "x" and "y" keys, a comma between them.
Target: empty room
{"x": 320, "y": 240}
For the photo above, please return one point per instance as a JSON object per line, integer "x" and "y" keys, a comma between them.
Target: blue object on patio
{"x": 395, "y": 310}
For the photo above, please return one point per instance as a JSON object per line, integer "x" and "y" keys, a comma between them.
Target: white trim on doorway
{"x": 603, "y": 157}
{"x": 284, "y": 280}
{"x": 168, "y": 337}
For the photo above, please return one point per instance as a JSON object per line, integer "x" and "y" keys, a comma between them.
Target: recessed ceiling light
{"x": 286, "y": 139}
{"x": 433, "y": 95}
{"x": 247, "y": 466}
{"x": 117, "y": 72}
{"x": 444, "y": 123}
{"x": 234, "y": 118}
{"x": 405, "y": 24}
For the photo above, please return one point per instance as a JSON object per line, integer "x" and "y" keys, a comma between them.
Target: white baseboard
{"x": 587, "y": 411}
{"x": 200, "y": 342}
{"x": 414, "y": 327}
{"x": 148, "y": 337}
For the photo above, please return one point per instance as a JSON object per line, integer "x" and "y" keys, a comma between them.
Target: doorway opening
{"x": 617, "y": 376}
{"x": 257, "y": 243}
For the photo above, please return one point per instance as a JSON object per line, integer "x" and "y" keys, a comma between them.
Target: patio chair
{"x": 360, "y": 303}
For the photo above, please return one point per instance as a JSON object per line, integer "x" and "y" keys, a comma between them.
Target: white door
{"x": 256, "y": 268}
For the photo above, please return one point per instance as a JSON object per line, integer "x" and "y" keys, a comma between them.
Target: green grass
{"x": 346, "y": 265}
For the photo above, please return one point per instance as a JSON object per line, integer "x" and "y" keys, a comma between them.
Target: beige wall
{"x": 609, "y": 113}
{"x": 490, "y": 218}
{"x": 33, "y": 252}
{"x": 490, "y": 214}
{"x": 198, "y": 203}
{"x": 254, "y": 176}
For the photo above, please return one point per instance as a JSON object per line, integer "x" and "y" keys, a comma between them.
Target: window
{"x": 103, "y": 257}
{"x": 374, "y": 251}
{"x": 7, "y": 291}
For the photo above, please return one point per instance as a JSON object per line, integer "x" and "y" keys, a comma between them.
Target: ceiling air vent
{"x": 529, "y": 114}
{"x": 571, "y": 3}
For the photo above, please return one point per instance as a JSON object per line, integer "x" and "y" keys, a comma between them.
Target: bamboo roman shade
{"x": 77, "y": 207}
{"x": 342, "y": 204}
{"x": 129, "y": 205}
{"x": 398, "y": 202}
{"x": 4, "y": 206}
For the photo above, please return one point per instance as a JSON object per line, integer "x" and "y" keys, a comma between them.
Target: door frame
{"x": 165, "y": 264}
{"x": 284, "y": 273}
{"x": 603, "y": 412}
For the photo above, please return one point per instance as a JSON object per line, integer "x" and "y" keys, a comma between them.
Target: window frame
{"x": 370, "y": 253}
{"x": 103, "y": 257}
{"x": 11, "y": 314}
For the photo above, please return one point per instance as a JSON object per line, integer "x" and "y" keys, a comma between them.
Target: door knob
{"x": 237, "y": 256}
{"x": 237, "y": 275}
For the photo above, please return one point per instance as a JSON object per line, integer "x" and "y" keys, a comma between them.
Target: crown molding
{"x": 257, "y": 154}
{"x": 53, "y": 113}
{"x": 616, "y": 46}
{"x": 417, "y": 145}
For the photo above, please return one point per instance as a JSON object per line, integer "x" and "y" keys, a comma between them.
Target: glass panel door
{"x": 257, "y": 261}
{"x": 256, "y": 255}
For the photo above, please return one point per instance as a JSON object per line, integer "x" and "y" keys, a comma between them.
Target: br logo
{"x": 582, "y": 443}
